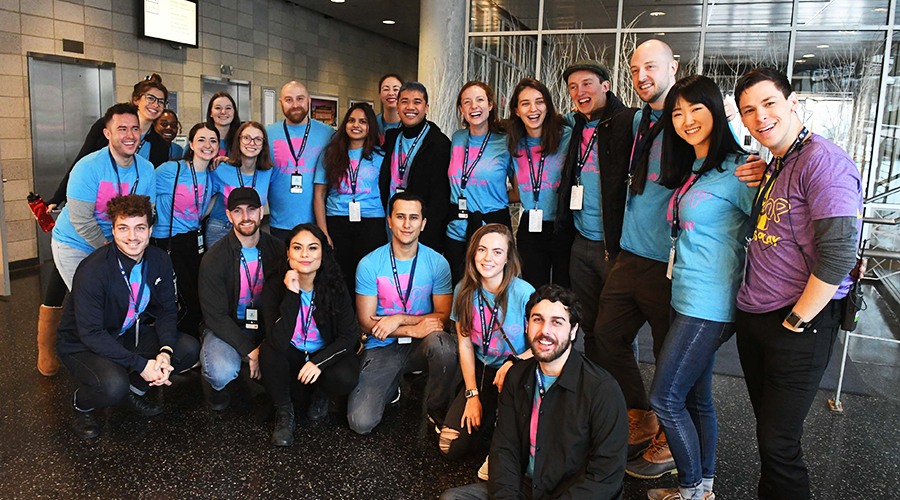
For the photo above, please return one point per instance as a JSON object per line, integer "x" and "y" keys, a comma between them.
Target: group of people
{"x": 390, "y": 251}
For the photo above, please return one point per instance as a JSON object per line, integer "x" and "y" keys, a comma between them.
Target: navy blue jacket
{"x": 96, "y": 309}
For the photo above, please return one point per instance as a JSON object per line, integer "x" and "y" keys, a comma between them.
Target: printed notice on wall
{"x": 172, "y": 20}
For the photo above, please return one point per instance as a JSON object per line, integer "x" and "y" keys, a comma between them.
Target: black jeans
{"x": 782, "y": 370}
{"x": 588, "y": 271}
{"x": 104, "y": 382}
{"x": 636, "y": 292}
{"x": 182, "y": 249}
{"x": 488, "y": 395}
{"x": 353, "y": 241}
{"x": 56, "y": 290}
{"x": 280, "y": 368}
{"x": 545, "y": 255}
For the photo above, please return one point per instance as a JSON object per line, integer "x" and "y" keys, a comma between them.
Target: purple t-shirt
{"x": 819, "y": 182}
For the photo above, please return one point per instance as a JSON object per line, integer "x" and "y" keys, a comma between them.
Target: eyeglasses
{"x": 247, "y": 140}
{"x": 152, "y": 99}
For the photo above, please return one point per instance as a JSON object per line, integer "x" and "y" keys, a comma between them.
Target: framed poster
{"x": 324, "y": 108}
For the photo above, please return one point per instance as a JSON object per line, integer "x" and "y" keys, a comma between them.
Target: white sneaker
{"x": 674, "y": 494}
{"x": 483, "y": 470}
{"x": 396, "y": 398}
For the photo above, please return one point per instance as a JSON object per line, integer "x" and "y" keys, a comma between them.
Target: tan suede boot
{"x": 48, "y": 323}
{"x": 642, "y": 427}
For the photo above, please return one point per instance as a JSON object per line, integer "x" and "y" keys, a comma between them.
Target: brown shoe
{"x": 655, "y": 462}
{"x": 642, "y": 426}
{"x": 48, "y": 323}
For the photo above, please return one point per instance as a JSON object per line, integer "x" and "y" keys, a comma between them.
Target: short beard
{"x": 290, "y": 116}
{"x": 252, "y": 231}
{"x": 561, "y": 349}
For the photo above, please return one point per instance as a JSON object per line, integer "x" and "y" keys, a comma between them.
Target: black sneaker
{"x": 283, "y": 434}
{"x": 85, "y": 424}
{"x": 217, "y": 400}
{"x": 140, "y": 405}
{"x": 318, "y": 407}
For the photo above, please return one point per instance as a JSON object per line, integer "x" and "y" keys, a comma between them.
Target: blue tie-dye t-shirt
{"x": 368, "y": 194}
{"x": 135, "y": 279}
{"x": 187, "y": 212}
{"x": 311, "y": 341}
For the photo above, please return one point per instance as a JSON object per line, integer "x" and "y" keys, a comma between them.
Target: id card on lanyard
{"x": 404, "y": 299}
{"x": 576, "y": 201}
{"x": 535, "y": 215}
{"x": 404, "y": 162}
{"x": 676, "y": 219}
{"x": 296, "y": 177}
{"x": 306, "y": 321}
{"x": 251, "y": 314}
{"x": 201, "y": 247}
{"x": 467, "y": 172}
{"x": 354, "y": 208}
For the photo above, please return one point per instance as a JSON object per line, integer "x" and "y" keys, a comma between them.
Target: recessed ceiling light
{"x": 660, "y": 34}
{"x": 879, "y": 9}
{"x": 389, "y": 21}
{"x": 822, "y": 46}
{"x": 657, "y": 13}
{"x": 337, "y": 1}
{"x": 805, "y": 56}
{"x": 677, "y": 56}
{"x": 800, "y": 61}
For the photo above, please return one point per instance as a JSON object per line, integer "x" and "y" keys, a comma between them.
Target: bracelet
{"x": 166, "y": 350}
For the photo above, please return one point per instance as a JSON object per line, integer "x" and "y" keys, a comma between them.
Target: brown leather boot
{"x": 48, "y": 323}
{"x": 655, "y": 462}
{"x": 642, "y": 426}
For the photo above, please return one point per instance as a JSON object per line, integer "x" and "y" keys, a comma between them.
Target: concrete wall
{"x": 268, "y": 42}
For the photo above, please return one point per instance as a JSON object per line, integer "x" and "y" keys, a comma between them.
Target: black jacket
{"x": 614, "y": 139}
{"x": 219, "y": 286}
{"x": 582, "y": 434}
{"x": 95, "y": 141}
{"x": 339, "y": 330}
{"x": 427, "y": 177}
{"x": 96, "y": 309}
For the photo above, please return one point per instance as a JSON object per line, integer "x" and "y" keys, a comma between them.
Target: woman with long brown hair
{"x": 491, "y": 293}
{"x": 222, "y": 113}
{"x": 347, "y": 198}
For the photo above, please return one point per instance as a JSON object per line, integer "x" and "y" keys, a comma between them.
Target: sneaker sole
{"x": 649, "y": 476}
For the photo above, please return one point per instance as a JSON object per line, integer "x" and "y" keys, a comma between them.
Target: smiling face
{"x": 475, "y": 106}
{"x": 294, "y": 102}
{"x": 167, "y": 126}
{"x": 305, "y": 253}
{"x": 389, "y": 92}
{"x": 770, "y": 116}
{"x": 491, "y": 256}
{"x": 532, "y": 110}
{"x": 653, "y": 72}
{"x": 124, "y": 134}
{"x": 587, "y": 91}
{"x": 694, "y": 124}
{"x": 246, "y": 219}
{"x": 406, "y": 221}
{"x": 412, "y": 108}
{"x": 132, "y": 235}
{"x": 357, "y": 125}
{"x": 222, "y": 111}
{"x": 549, "y": 332}
{"x": 205, "y": 144}
{"x": 150, "y": 110}
{"x": 252, "y": 140}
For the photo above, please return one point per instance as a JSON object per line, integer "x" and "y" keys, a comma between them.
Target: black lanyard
{"x": 676, "y": 207}
{"x": 401, "y": 168}
{"x": 536, "y": 181}
{"x": 487, "y": 331}
{"x": 409, "y": 285}
{"x": 143, "y": 141}
{"x": 115, "y": 167}
{"x": 251, "y": 283}
{"x": 582, "y": 161}
{"x": 769, "y": 184}
{"x": 196, "y": 190}
{"x": 241, "y": 177}
{"x": 466, "y": 170}
{"x": 540, "y": 382}
{"x": 306, "y": 321}
{"x": 135, "y": 300}
{"x": 287, "y": 135}
{"x": 640, "y": 139}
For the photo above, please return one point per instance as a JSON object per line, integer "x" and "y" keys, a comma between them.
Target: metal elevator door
{"x": 67, "y": 96}
{"x": 239, "y": 90}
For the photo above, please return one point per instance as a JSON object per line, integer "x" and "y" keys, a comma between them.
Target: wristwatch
{"x": 471, "y": 393}
{"x": 796, "y": 321}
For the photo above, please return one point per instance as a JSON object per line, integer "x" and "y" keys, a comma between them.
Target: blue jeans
{"x": 216, "y": 230}
{"x": 382, "y": 367}
{"x": 474, "y": 491}
{"x": 681, "y": 394}
{"x": 220, "y": 363}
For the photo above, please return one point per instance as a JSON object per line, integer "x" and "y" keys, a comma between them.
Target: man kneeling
{"x": 102, "y": 339}
{"x": 562, "y": 428}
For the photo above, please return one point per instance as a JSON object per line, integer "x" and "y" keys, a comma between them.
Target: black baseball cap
{"x": 587, "y": 65}
{"x": 243, "y": 196}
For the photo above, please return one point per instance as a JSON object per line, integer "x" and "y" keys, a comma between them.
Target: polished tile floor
{"x": 189, "y": 453}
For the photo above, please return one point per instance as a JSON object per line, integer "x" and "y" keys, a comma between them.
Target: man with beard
{"x": 231, "y": 283}
{"x": 562, "y": 428}
{"x": 296, "y": 144}
{"x": 101, "y": 339}
{"x": 416, "y": 160}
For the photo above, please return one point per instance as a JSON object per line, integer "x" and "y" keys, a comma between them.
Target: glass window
{"x": 579, "y": 14}
{"x": 661, "y": 13}
{"x": 749, "y": 13}
{"x": 503, "y": 15}
{"x": 727, "y": 56}
{"x": 560, "y": 51}
{"x": 685, "y": 48}
{"x": 841, "y": 12}
{"x": 501, "y": 62}
{"x": 885, "y": 174}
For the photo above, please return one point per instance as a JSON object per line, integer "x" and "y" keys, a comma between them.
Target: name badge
{"x": 463, "y": 208}
{"x": 355, "y": 212}
{"x": 251, "y": 317}
{"x": 535, "y": 220}
{"x": 577, "y": 200}
{"x": 297, "y": 183}
{"x": 201, "y": 247}
{"x": 404, "y": 340}
{"x": 671, "y": 262}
